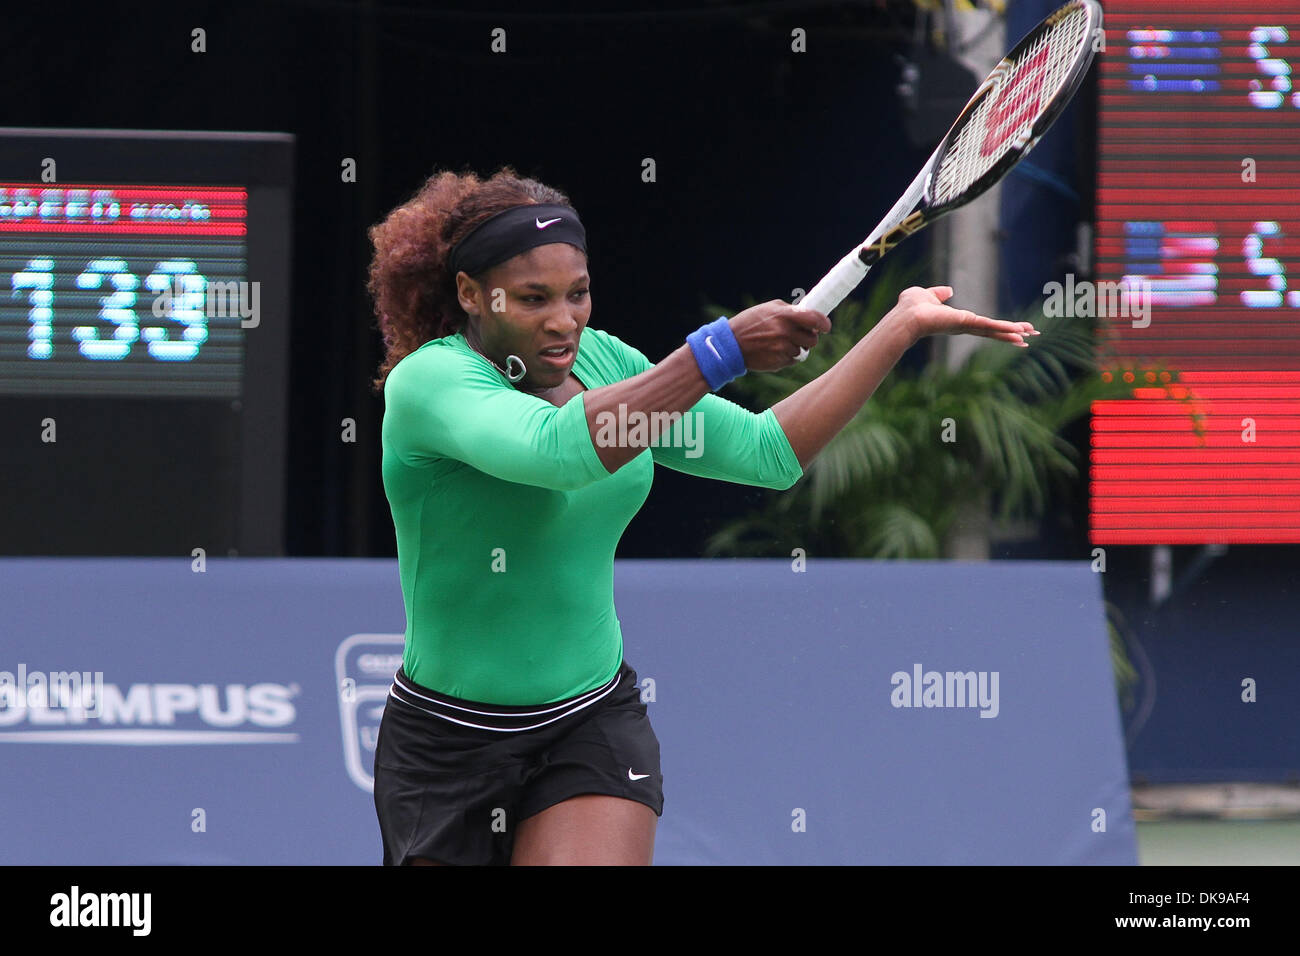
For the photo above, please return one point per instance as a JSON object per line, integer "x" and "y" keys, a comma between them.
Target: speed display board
{"x": 122, "y": 290}
{"x": 1199, "y": 198}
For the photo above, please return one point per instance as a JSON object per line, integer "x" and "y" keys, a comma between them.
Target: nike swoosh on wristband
{"x": 549, "y": 222}
{"x": 708, "y": 340}
{"x": 636, "y": 776}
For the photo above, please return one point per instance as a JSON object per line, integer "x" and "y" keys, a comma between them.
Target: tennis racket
{"x": 1003, "y": 121}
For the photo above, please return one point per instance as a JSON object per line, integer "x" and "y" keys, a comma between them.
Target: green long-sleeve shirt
{"x": 507, "y": 522}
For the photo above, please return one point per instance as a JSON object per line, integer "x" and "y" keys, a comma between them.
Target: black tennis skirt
{"x": 454, "y": 777}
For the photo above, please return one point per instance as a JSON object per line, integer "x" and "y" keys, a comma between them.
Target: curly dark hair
{"x": 410, "y": 278}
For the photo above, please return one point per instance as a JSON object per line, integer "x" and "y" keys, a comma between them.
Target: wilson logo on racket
{"x": 1017, "y": 104}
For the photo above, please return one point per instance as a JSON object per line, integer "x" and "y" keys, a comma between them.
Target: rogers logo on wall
{"x": 364, "y": 665}
{"x": 145, "y": 714}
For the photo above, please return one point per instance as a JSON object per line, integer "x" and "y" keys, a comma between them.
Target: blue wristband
{"x": 717, "y": 353}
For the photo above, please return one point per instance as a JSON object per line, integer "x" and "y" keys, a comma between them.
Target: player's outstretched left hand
{"x": 922, "y": 312}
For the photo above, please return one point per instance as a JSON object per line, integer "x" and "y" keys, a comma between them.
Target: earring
{"x": 511, "y": 361}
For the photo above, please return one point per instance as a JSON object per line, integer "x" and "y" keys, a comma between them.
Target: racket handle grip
{"x": 835, "y": 285}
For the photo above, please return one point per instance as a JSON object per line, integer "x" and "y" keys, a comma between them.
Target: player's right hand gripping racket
{"x": 1008, "y": 114}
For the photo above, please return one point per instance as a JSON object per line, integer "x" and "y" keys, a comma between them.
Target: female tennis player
{"x": 514, "y": 731}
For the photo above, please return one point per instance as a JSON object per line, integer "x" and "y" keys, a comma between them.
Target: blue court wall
{"x": 239, "y": 707}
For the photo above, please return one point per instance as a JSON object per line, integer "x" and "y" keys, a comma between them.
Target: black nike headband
{"x": 516, "y": 230}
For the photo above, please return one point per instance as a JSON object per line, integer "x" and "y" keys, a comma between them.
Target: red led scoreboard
{"x": 1199, "y": 196}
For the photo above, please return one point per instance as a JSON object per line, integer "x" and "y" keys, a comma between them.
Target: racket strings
{"x": 967, "y": 158}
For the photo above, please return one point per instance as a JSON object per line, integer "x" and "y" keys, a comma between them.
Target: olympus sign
{"x": 153, "y": 714}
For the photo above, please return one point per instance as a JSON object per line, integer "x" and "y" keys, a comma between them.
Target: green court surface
{"x": 1219, "y": 843}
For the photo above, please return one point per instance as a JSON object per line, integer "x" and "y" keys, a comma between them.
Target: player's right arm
{"x": 770, "y": 335}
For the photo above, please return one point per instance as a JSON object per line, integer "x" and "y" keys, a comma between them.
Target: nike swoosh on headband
{"x": 543, "y": 225}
